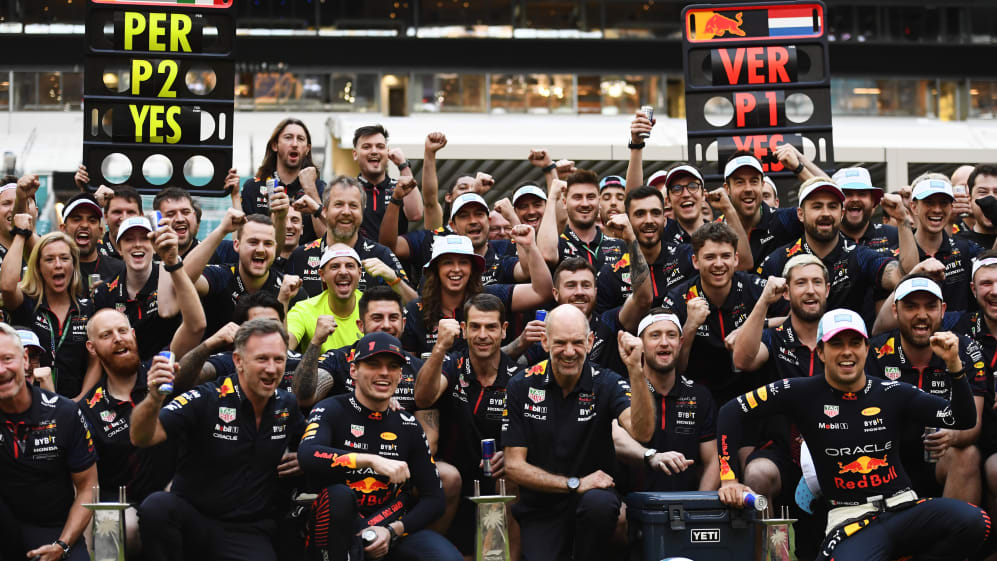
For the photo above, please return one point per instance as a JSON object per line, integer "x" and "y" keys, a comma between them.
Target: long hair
{"x": 269, "y": 165}
{"x": 32, "y": 285}
{"x": 432, "y": 299}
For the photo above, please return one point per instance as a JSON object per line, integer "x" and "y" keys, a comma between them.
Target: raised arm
{"x": 791, "y": 159}
{"x": 639, "y": 301}
{"x": 377, "y": 268}
{"x": 635, "y": 167}
{"x": 193, "y": 369}
{"x": 432, "y": 217}
{"x": 893, "y": 205}
{"x": 547, "y": 236}
{"x": 430, "y": 383}
{"x": 641, "y": 418}
{"x": 719, "y": 199}
{"x": 10, "y": 268}
{"x": 697, "y": 310}
{"x": 200, "y": 256}
{"x": 388, "y": 235}
{"x": 306, "y": 374}
{"x": 279, "y": 204}
{"x": 412, "y": 203}
{"x": 749, "y": 352}
{"x": 308, "y": 179}
{"x": 541, "y": 287}
{"x": 146, "y": 428}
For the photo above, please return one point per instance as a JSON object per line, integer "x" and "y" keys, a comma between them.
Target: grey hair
{"x": 258, "y": 326}
{"x": 346, "y": 182}
{"x": 12, "y": 333}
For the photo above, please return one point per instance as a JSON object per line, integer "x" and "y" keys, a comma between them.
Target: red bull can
{"x": 369, "y": 536}
{"x": 755, "y": 501}
{"x": 648, "y": 112}
{"x": 92, "y": 281}
{"x": 487, "y": 453}
{"x": 927, "y": 454}
{"x": 167, "y": 388}
{"x": 541, "y": 315}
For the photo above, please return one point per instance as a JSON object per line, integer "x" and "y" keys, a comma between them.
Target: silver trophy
{"x": 491, "y": 541}
{"x": 108, "y": 527}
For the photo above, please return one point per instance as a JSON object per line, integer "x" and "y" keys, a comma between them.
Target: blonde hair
{"x": 801, "y": 260}
{"x": 32, "y": 285}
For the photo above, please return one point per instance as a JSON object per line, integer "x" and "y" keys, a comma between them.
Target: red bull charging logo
{"x": 718, "y": 25}
{"x": 864, "y": 466}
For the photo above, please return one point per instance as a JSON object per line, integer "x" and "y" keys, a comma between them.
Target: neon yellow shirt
{"x": 303, "y": 317}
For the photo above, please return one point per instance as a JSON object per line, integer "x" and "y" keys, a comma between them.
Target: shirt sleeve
{"x": 608, "y": 290}
{"x": 972, "y": 361}
{"x": 514, "y": 429}
{"x": 871, "y": 264}
{"x": 218, "y": 277}
{"x": 417, "y": 240}
{"x": 80, "y": 454}
{"x": 619, "y": 399}
{"x": 316, "y": 455}
{"x": 426, "y": 478}
{"x": 708, "y": 421}
{"x": 391, "y": 260}
{"x": 181, "y": 414}
{"x": 503, "y": 292}
{"x": 297, "y": 320}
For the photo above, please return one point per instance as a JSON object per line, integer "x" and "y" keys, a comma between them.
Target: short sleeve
{"x": 514, "y": 430}
{"x": 80, "y": 454}
{"x": 391, "y": 260}
{"x": 181, "y": 414}
{"x": 620, "y": 397}
{"x": 218, "y": 277}
{"x": 503, "y": 292}
{"x": 708, "y": 418}
{"x": 871, "y": 264}
{"x": 297, "y": 322}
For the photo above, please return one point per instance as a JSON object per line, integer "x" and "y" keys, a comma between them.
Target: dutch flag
{"x": 791, "y": 21}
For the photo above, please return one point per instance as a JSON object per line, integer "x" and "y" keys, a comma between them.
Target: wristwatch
{"x": 393, "y": 537}
{"x": 648, "y": 454}
{"x": 65, "y": 548}
{"x": 174, "y": 267}
{"x": 403, "y": 165}
{"x": 573, "y": 484}
{"x": 395, "y": 201}
{"x": 21, "y": 232}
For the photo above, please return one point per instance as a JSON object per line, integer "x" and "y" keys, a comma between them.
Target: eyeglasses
{"x": 692, "y": 186}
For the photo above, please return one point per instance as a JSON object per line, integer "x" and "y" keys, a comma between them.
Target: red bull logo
{"x": 622, "y": 263}
{"x": 536, "y": 369}
{"x": 888, "y": 348}
{"x": 344, "y": 460}
{"x": 693, "y": 293}
{"x": 226, "y": 388}
{"x": 795, "y": 248}
{"x": 862, "y": 464}
{"x": 726, "y": 474}
{"x": 717, "y": 25}
{"x": 97, "y": 396}
{"x": 367, "y": 485}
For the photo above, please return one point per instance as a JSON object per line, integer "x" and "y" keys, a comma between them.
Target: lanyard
{"x": 575, "y": 240}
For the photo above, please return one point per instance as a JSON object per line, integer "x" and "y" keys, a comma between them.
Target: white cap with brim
{"x": 655, "y": 318}
{"x": 467, "y": 199}
{"x": 857, "y": 179}
{"x": 740, "y": 162}
{"x": 526, "y": 190}
{"x": 768, "y": 180}
{"x": 82, "y": 201}
{"x": 917, "y": 284}
{"x": 821, "y": 187}
{"x": 29, "y": 338}
{"x": 656, "y": 178}
{"x": 683, "y": 169}
{"x": 928, "y": 187}
{"x": 330, "y": 254}
{"x": 133, "y": 222}
{"x": 455, "y": 245}
{"x": 839, "y": 320}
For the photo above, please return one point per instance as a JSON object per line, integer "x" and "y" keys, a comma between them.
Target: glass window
{"x": 623, "y": 95}
{"x": 275, "y": 88}
{"x": 72, "y": 90}
{"x": 455, "y": 93}
{"x": 49, "y": 90}
{"x": 589, "y": 95}
{"x": 982, "y": 99}
{"x": 508, "y": 93}
{"x": 25, "y": 90}
{"x": 549, "y": 93}
{"x": 899, "y": 98}
{"x": 5, "y": 91}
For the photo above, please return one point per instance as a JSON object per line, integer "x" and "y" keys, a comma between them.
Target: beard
{"x": 813, "y": 232}
{"x": 122, "y": 365}
{"x": 343, "y": 233}
{"x": 803, "y": 314}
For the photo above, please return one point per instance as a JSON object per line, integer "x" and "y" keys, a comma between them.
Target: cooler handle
{"x": 676, "y": 517}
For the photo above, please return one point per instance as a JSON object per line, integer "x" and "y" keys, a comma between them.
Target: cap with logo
{"x": 526, "y": 190}
{"x": 29, "y": 338}
{"x": 467, "y": 199}
{"x": 839, "y": 320}
{"x": 133, "y": 222}
{"x": 857, "y": 179}
{"x": 657, "y": 178}
{"x": 80, "y": 201}
{"x": 740, "y": 162}
{"x": 822, "y": 186}
{"x": 455, "y": 245}
{"x": 329, "y": 254}
{"x": 928, "y": 187}
{"x": 612, "y": 181}
{"x": 378, "y": 343}
{"x": 917, "y": 284}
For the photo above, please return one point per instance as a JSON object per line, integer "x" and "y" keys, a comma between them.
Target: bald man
{"x": 962, "y": 207}
{"x": 559, "y": 445}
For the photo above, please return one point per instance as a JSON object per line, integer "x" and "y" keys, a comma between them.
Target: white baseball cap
{"x": 528, "y": 190}
{"x": 856, "y": 179}
{"x": 467, "y": 199}
{"x": 740, "y": 162}
{"x": 29, "y": 338}
{"x": 459, "y": 245}
{"x": 821, "y": 186}
{"x": 917, "y": 284}
{"x": 656, "y": 178}
{"x": 655, "y": 318}
{"x": 83, "y": 199}
{"x": 132, "y": 222}
{"x": 927, "y": 187}
{"x": 684, "y": 168}
{"x": 839, "y": 320}
{"x": 329, "y": 254}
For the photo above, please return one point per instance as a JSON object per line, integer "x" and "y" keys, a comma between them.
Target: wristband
{"x": 174, "y": 267}
{"x": 21, "y": 232}
{"x": 959, "y": 374}
{"x": 637, "y": 146}
{"x": 798, "y": 169}
{"x": 395, "y": 201}
{"x": 403, "y": 165}
{"x": 394, "y": 282}
{"x": 765, "y": 324}
{"x": 549, "y": 168}
{"x": 393, "y": 537}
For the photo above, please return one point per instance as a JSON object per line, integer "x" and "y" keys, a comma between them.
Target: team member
{"x": 340, "y": 268}
{"x": 962, "y": 215}
{"x": 221, "y": 285}
{"x": 559, "y": 445}
{"x": 48, "y": 456}
{"x": 932, "y": 206}
{"x": 875, "y": 515}
{"x": 498, "y": 227}
{"x": 711, "y": 305}
{"x": 861, "y": 200}
{"x": 288, "y": 159}
{"x": 119, "y": 204}
{"x": 907, "y": 355}
{"x": 743, "y": 180}
{"x": 367, "y": 461}
{"x": 529, "y": 203}
{"x": 454, "y": 274}
{"x": 582, "y": 237}
{"x": 470, "y": 393}
{"x": 682, "y": 453}
{"x": 684, "y": 189}
{"x": 612, "y": 192}
{"x": 853, "y": 268}
{"x": 82, "y": 222}
{"x": 370, "y": 152}
{"x": 235, "y": 433}
{"x": 48, "y": 300}
{"x": 184, "y": 215}
{"x": 343, "y": 205}
{"x": 8, "y": 199}
{"x": 770, "y": 194}
{"x": 35, "y": 373}
{"x": 982, "y": 183}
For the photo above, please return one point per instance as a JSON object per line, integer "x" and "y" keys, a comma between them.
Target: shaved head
{"x": 566, "y": 316}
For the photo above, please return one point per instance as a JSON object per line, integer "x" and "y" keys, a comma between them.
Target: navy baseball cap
{"x": 378, "y": 343}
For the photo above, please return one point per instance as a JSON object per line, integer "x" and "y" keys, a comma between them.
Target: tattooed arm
{"x": 639, "y": 301}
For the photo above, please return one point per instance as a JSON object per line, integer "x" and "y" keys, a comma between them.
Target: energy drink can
{"x": 92, "y": 281}
{"x": 273, "y": 184}
{"x": 487, "y": 453}
{"x": 156, "y": 217}
{"x": 368, "y": 536}
{"x": 167, "y": 388}
{"x": 648, "y": 112}
{"x": 755, "y": 501}
{"x": 541, "y": 315}
{"x": 927, "y": 454}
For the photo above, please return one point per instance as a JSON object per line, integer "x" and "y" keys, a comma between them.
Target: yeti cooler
{"x": 690, "y": 524}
